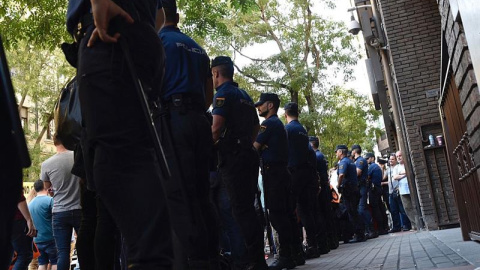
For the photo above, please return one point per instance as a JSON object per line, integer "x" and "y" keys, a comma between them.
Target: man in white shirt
{"x": 401, "y": 177}
{"x": 396, "y": 206}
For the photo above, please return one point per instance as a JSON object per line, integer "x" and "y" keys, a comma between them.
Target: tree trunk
{"x": 44, "y": 129}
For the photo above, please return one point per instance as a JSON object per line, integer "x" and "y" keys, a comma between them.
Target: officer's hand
{"x": 103, "y": 11}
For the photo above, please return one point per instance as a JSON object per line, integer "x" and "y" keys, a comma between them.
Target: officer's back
{"x": 187, "y": 62}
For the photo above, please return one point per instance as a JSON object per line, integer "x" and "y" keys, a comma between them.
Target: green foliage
{"x": 344, "y": 117}
{"x": 40, "y": 22}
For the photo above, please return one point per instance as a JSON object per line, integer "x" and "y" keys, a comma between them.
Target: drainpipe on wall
{"x": 399, "y": 127}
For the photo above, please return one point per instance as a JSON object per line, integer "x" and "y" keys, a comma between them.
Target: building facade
{"x": 417, "y": 51}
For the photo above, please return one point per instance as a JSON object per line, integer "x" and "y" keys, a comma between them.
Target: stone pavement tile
{"x": 400, "y": 251}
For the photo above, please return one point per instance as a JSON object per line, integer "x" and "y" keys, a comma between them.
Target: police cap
{"x": 382, "y": 161}
{"x": 291, "y": 107}
{"x": 313, "y": 139}
{"x": 222, "y": 60}
{"x": 264, "y": 97}
{"x": 356, "y": 146}
{"x": 369, "y": 155}
{"x": 341, "y": 147}
{"x": 172, "y": 4}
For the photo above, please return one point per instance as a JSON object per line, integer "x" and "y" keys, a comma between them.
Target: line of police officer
{"x": 119, "y": 158}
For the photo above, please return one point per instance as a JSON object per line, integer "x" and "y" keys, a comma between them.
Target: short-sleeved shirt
{"x": 375, "y": 173}
{"x": 348, "y": 169}
{"x": 392, "y": 184}
{"x": 237, "y": 107}
{"x": 146, "y": 10}
{"x": 297, "y": 144}
{"x": 362, "y": 164}
{"x": 41, "y": 211}
{"x": 402, "y": 183}
{"x": 273, "y": 138}
{"x": 66, "y": 186}
{"x": 321, "y": 165}
{"x": 187, "y": 65}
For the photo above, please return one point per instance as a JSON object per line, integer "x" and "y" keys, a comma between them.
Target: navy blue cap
{"x": 292, "y": 107}
{"x": 172, "y": 4}
{"x": 264, "y": 97}
{"x": 341, "y": 147}
{"x": 382, "y": 161}
{"x": 312, "y": 138}
{"x": 369, "y": 155}
{"x": 222, "y": 60}
{"x": 356, "y": 146}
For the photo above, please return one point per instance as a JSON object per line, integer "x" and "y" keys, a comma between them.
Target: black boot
{"x": 282, "y": 263}
{"x": 312, "y": 252}
{"x": 298, "y": 255}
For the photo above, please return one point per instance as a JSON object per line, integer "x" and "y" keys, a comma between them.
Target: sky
{"x": 359, "y": 83}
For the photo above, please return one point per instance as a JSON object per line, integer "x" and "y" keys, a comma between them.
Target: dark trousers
{"x": 327, "y": 230}
{"x": 276, "y": 185}
{"x": 192, "y": 142}
{"x": 22, "y": 244}
{"x": 121, "y": 162}
{"x": 86, "y": 234}
{"x": 351, "y": 198}
{"x": 231, "y": 238}
{"x": 399, "y": 217}
{"x": 238, "y": 167}
{"x": 362, "y": 206}
{"x": 378, "y": 209}
{"x": 305, "y": 189}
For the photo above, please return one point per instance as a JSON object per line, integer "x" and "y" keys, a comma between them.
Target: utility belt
{"x": 184, "y": 102}
{"x": 300, "y": 167}
{"x": 83, "y": 24}
{"x": 273, "y": 165}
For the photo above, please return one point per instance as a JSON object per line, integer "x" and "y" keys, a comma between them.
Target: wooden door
{"x": 466, "y": 184}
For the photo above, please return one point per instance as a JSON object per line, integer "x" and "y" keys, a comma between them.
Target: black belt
{"x": 274, "y": 165}
{"x": 183, "y": 101}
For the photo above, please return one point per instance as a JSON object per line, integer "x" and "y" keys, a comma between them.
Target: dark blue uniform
{"x": 351, "y": 195}
{"x": 273, "y": 137}
{"x": 302, "y": 166}
{"x": 238, "y": 162}
{"x": 187, "y": 68}
{"x": 116, "y": 139}
{"x": 375, "y": 196}
{"x": 276, "y": 181}
{"x": 327, "y": 235}
{"x": 362, "y": 164}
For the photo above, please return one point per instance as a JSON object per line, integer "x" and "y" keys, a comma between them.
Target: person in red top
{"x": 22, "y": 232}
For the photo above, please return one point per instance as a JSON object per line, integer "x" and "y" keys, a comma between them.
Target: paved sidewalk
{"x": 405, "y": 250}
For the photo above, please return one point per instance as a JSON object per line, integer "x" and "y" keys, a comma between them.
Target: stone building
{"x": 422, "y": 74}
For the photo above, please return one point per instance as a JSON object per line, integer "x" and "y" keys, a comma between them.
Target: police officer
{"x": 235, "y": 127}
{"x": 375, "y": 193}
{"x": 362, "y": 174}
{"x": 117, "y": 140}
{"x": 272, "y": 144}
{"x": 326, "y": 230}
{"x": 186, "y": 93}
{"x": 348, "y": 186}
{"x": 304, "y": 184}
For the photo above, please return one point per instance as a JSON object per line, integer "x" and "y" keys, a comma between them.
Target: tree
{"x": 308, "y": 48}
{"x": 346, "y": 117}
{"x": 37, "y": 77}
{"x": 40, "y": 23}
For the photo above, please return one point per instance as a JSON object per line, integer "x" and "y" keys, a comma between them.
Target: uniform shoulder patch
{"x": 340, "y": 167}
{"x": 361, "y": 162}
{"x": 219, "y": 102}
{"x": 262, "y": 129}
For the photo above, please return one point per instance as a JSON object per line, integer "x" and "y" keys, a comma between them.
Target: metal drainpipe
{"x": 399, "y": 127}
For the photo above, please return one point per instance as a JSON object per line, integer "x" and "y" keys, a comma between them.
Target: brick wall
{"x": 413, "y": 29}
{"x": 462, "y": 69}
